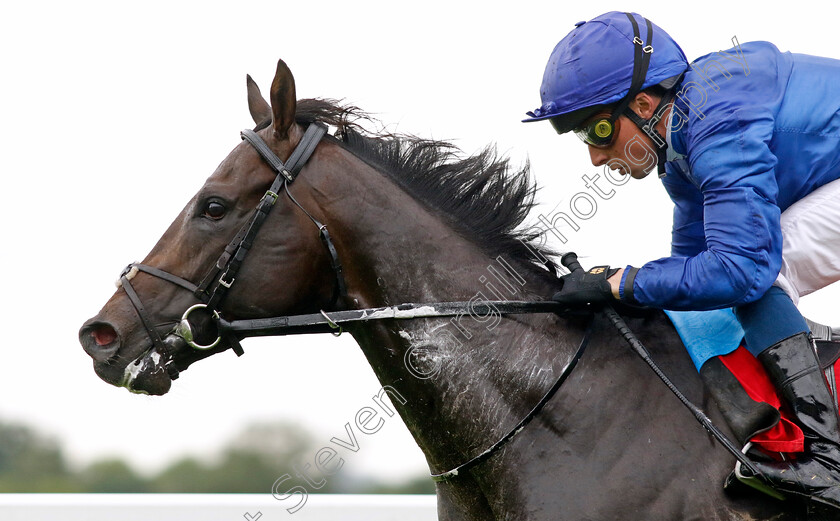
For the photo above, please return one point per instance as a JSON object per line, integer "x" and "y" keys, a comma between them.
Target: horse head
{"x": 132, "y": 340}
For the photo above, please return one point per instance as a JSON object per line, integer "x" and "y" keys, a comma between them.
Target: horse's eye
{"x": 214, "y": 210}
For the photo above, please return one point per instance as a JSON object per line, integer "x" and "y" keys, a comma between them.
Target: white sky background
{"x": 112, "y": 115}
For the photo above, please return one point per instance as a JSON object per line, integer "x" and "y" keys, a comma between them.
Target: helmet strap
{"x": 641, "y": 61}
{"x": 648, "y": 126}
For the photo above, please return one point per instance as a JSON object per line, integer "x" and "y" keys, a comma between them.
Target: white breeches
{"x": 811, "y": 248}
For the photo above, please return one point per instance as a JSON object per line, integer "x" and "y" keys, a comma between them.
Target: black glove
{"x": 581, "y": 288}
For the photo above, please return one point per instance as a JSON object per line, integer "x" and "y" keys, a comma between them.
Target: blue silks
{"x": 760, "y": 130}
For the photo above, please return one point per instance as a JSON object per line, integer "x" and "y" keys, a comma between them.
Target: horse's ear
{"x": 257, "y": 105}
{"x": 282, "y": 100}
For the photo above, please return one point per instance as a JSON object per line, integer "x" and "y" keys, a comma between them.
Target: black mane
{"x": 479, "y": 195}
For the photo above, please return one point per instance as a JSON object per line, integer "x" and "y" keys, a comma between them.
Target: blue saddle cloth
{"x": 707, "y": 334}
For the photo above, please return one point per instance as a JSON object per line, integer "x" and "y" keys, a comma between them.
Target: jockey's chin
{"x": 641, "y": 172}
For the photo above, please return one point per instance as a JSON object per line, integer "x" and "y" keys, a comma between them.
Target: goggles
{"x": 599, "y": 133}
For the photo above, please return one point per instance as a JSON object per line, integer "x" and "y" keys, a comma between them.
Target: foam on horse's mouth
{"x": 147, "y": 364}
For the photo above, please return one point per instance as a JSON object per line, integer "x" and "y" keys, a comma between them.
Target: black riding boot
{"x": 745, "y": 416}
{"x": 793, "y": 368}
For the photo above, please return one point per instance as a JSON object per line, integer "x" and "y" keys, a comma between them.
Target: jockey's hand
{"x": 581, "y": 288}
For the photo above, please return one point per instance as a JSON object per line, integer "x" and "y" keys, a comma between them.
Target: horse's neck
{"x": 461, "y": 384}
{"x": 473, "y": 376}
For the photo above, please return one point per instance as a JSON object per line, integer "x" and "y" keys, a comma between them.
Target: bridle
{"x": 215, "y": 284}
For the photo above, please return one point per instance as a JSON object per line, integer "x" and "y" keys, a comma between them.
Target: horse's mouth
{"x": 130, "y": 358}
{"x": 152, "y": 372}
{"x": 144, "y": 374}
{"x": 147, "y": 374}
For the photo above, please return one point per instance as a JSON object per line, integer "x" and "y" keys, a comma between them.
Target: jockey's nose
{"x": 598, "y": 156}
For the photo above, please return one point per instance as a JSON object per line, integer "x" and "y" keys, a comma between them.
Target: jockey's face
{"x": 632, "y": 152}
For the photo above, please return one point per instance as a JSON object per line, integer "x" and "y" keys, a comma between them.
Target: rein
{"x": 331, "y": 322}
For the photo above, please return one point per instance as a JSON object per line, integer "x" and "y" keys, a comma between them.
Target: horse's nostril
{"x": 99, "y": 339}
{"x": 103, "y": 335}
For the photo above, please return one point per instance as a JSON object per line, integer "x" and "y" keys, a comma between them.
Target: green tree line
{"x": 248, "y": 463}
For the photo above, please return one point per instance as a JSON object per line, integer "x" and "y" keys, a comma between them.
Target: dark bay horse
{"x": 413, "y": 221}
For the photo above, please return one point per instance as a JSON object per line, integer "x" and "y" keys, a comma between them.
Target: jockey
{"x": 747, "y": 144}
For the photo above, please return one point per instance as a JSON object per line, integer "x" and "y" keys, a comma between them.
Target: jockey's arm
{"x": 615, "y": 282}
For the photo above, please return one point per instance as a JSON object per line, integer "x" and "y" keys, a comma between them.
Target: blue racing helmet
{"x": 606, "y": 60}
